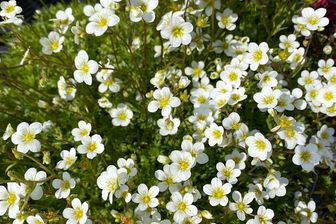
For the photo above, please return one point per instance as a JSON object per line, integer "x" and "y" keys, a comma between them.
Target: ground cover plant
{"x": 147, "y": 111}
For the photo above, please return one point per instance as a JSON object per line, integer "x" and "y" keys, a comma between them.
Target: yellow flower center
{"x": 331, "y": 109}
{"x": 65, "y": 185}
{"x": 84, "y": 132}
{"x": 290, "y": 133}
{"x": 328, "y": 96}
{"x": 102, "y": 21}
{"x": 163, "y": 102}
{"x": 257, "y": 55}
{"x": 169, "y": 181}
{"x": 111, "y": 185}
{"x": 287, "y": 44}
{"x": 241, "y": 206}
{"x": 92, "y": 146}
{"x": 260, "y": 145}
{"x": 227, "y": 172}
{"x": 297, "y": 57}
{"x": 69, "y": 160}
{"x": 78, "y": 213}
{"x": 143, "y": 7}
{"x": 309, "y": 80}
{"x": 182, "y": 206}
{"x": 201, "y": 99}
{"x": 284, "y": 122}
{"x": 266, "y": 79}
{"x": 54, "y": 45}
{"x": 85, "y": 68}
{"x": 217, "y": 134}
{"x": 305, "y": 156}
{"x": 235, "y": 97}
{"x": 324, "y": 135}
{"x": 146, "y": 199}
{"x": 313, "y": 93}
{"x": 233, "y": 76}
{"x": 184, "y": 164}
{"x": 197, "y": 71}
{"x": 236, "y": 159}
{"x": 122, "y": 116}
{"x": 28, "y": 137}
{"x": 313, "y": 20}
{"x": 11, "y": 199}
{"x": 10, "y": 8}
{"x": 218, "y": 193}
{"x": 225, "y": 20}
{"x": 268, "y": 99}
{"x": 325, "y": 69}
{"x": 177, "y": 32}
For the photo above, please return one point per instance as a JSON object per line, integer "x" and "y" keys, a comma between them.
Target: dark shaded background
{"x": 29, "y": 6}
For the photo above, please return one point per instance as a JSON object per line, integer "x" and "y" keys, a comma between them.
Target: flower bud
{"x": 327, "y": 49}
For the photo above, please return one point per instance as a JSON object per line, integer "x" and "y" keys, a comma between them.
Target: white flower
{"x": 227, "y": 19}
{"x": 326, "y": 135}
{"x": 267, "y": 78}
{"x": 128, "y": 165}
{"x": 76, "y": 214}
{"x": 267, "y": 98}
{"x": 257, "y": 55}
{"x": 326, "y": 68}
{"x": 64, "y": 19}
{"x": 63, "y": 186}
{"x": 91, "y": 146}
{"x": 313, "y": 19}
{"x": 196, "y": 70}
{"x": 85, "y": 68}
{"x": 275, "y": 185}
{"x": 168, "y": 125}
{"x": 82, "y": 131}
{"x": 181, "y": 206}
{"x": 184, "y": 162}
{"x": 232, "y": 76}
{"x": 241, "y": 204}
{"x": 10, "y": 199}
{"x": 217, "y": 192}
{"x": 178, "y": 32}
{"x": 32, "y": 175}
{"x": 24, "y": 137}
{"x": 307, "y": 212}
{"x": 306, "y": 156}
{"x": 196, "y": 150}
{"x": 214, "y": 134}
{"x": 168, "y": 178}
{"x": 104, "y": 103}
{"x": 100, "y": 21}
{"x": 123, "y": 192}
{"x": 296, "y": 58}
{"x": 164, "y": 100}
{"x": 9, "y": 9}
{"x": 121, "y": 116}
{"x": 143, "y": 9}
{"x": 146, "y": 198}
{"x": 109, "y": 181}
{"x": 66, "y": 91}
{"x": 232, "y": 121}
{"x": 293, "y": 135}
{"x": 289, "y": 42}
{"x": 8, "y": 132}
{"x": 258, "y": 146}
{"x": 238, "y": 157}
{"x": 35, "y": 220}
{"x": 327, "y": 95}
{"x": 52, "y": 44}
{"x": 228, "y": 172}
{"x": 108, "y": 82}
{"x": 264, "y": 216}
{"x": 68, "y": 159}
{"x": 308, "y": 79}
